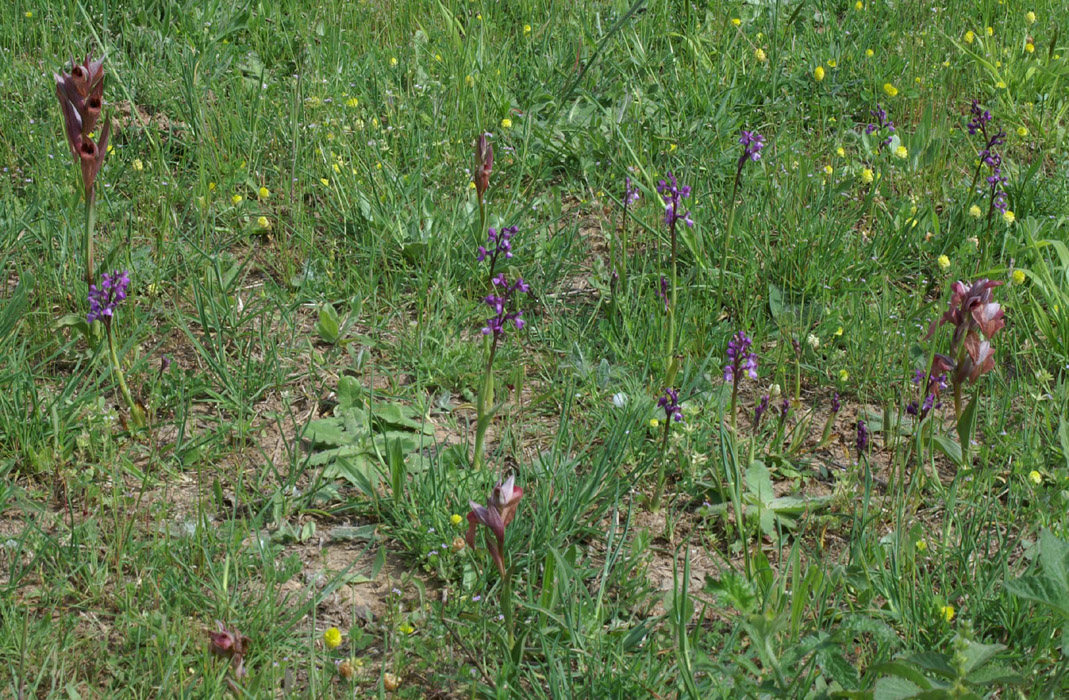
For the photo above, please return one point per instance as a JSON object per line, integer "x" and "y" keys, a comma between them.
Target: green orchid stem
{"x": 506, "y": 607}
{"x": 658, "y": 492}
{"x": 734, "y": 401}
{"x": 90, "y": 220}
{"x": 116, "y": 368}
{"x": 484, "y": 406}
{"x": 727, "y": 237}
{"x": 673, "y": 367}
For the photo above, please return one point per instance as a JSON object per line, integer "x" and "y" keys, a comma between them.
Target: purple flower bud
{"x": 759, "y": 411}
{"x": 835, "y": 402}
{"x": 862, "y": 438}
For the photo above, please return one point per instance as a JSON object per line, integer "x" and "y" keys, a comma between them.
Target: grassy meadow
{"x": 739, "y": 369}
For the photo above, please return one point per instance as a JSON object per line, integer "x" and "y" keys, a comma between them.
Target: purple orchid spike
{"x": 103, "y": 300}
{"x": 670, "y": 403}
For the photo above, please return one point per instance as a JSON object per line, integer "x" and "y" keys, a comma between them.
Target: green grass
{"x": 777, "y": 565}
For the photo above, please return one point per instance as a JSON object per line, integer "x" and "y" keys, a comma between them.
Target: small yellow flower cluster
{"x": 506, "y": 123}
{"x": 759, "y": 54}
{"x": 236, "y": 199}
{"x": 818, "y": 73}
{"x": 264, "y": 223}
{"x": 332, "y": 638}
{"x": 866, "y": 176}
{"x": 1035, "y": 477}
{"x": 969, "y": 37}
{"x": 828, "y": 170}
{"x": 944, "y": 262}
{"x": 526, "y": 29}
{"x": 264, "y": 193}
{"x": 1030, "y": 17}
{"x": 1008, "y": 216}
{"x": 890, "y": 89}
{"x": 975, "y": 212}
{"x": 352, "y": 102}
{"x": 901, "y": 152}
{"x": 737, "y": 22}
{"x": 455, "y": 519}
{"x": 947, "y": 612}
{"x": 1018, "y": 277}
{"x": 138, "y": 165}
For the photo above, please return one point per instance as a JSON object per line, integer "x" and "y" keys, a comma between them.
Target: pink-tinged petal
{"x": 989, "y": 316}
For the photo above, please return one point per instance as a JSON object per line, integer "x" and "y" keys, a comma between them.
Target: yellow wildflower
{"x": 921, "y": 545}
{"x": 469, "y": 81}
{"x": 211, "y": 187}
{"x": 1035, "y": 477}
{"x": 969, "y": 36}
{"x": 990, "y": 31}
{"x": 843, "y": 375}
{"x": 236, "y": 199}
{"x": 832, "y": 63}
{"x": 1018, "y": 276}
{"x": 506, "y": 123}
{"x": 859, "y": 6}
{"x": 944, "y": 262}
{"x": 759, "y": 54}
{"x": 332, "y": 638}
{"x": 138, "y": 165}
{"x": 947, "y": 612}
{"x": 869, "y": 53}
{"x": 263, "y": 222}
{"x": 526, "y": 29}
{"x": 1022, "y": 131}
{"x": 455, "y": 519}
{"x": 324, "y": 181}
{"x": 737, "y": 22}
{"x": 1008, "y": 216}
{"x": 438, "y": 57}
{"x": 1030, "y": 47}
{"x": 352, "y": 102}
{"x": 838, "y": 332}
{"x": 890, "y": 89}
{"x": 901, "y": 152}
{"x": 975, "y": 212}
{"x": 28, "y": 14}
{"x": 828, "y": 170}
{"x": 840, "y": 152}
{"x": 393, "y": 61}
{"x": 1030, "y": 17}
{"x": 264, "y": 193}
{"x": 818, "y": 73}
{"x": 337, "y": 168}
{"x": 654, "y": 422}
{"x": 406, "y": 628}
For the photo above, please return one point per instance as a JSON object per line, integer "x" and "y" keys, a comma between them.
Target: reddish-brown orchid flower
{"x": 230, "y": 645}
{"x": 972, "y": 308}
{"x": 81, "y": 99}
{"x": 499, "y": 511}
{"x": 484, "y": 164}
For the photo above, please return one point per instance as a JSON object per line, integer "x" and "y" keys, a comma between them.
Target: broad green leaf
{"x": 328, "y": 325}
{"x": 1054, "y": 558}
{"x": 949, "y": 447}
{"x": 1041, "y": 590}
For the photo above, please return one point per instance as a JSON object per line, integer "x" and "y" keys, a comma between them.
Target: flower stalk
{"x": 752, "y": 143}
